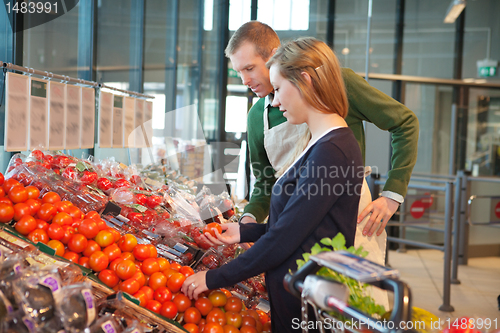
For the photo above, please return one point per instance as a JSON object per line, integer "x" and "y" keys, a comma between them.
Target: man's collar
{"x": 269, "y": 100}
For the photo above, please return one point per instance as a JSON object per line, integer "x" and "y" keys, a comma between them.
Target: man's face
{"x": 252, "y": 69}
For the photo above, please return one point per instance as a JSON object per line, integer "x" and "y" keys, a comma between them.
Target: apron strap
{"x": 266, "y": 120}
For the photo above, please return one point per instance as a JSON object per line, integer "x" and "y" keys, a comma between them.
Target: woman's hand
{"x": 230, "y": 236}
{"x": 195, "y": 285}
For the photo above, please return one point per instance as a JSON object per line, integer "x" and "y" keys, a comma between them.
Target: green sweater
{"x": 365, "y": 103}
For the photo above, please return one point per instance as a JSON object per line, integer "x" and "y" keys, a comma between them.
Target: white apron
{"x": 279, "y": 143}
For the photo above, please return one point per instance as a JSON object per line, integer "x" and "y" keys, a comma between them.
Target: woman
{"x": 316, "y": 196}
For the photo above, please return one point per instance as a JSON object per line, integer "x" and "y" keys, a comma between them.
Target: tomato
{"x": 125, "y": 269}
{"x": 41, "y": 224}
{"x": 92, "y": 215}
{"x": 234, "y": 304}
{"x": 26, "y": 225}
{"x": 182, "y": 302}
{"x": 56, "y": 245}
{"x": 148, "y": 291}
{"x": 51, "y": 197}
{"x": 204, "y": 305}
{"x": 127, "y": 255}
{"x": 77, "y": 243}
{"x": 104, "y": 238}
{"x": 121, "y": 183}
{"x": 141, "y": 296}
{"x": 104, "y": 184}
{"x": 142, "y": 252}
{"x": 92, "y": 247}
{"x": 72, "y": 256}
{"x": 34, "y": 205}
{"x": 150, "y": 266}
{"x": 263, "y": 317}
{"x": 175, "y": 265}
{"x": 2, "y": 192}
{"x": 127, "y": 242}
{"x": 62, "y": 219}
{"x": 84, "y": 261}
{"x": 61, "y": 161}
{"x": 70, "y": 173}
{"x": 69, "y": 231}
{"x": 10, "y": 183}
{"x": 154, "y": 306}
{"x": 62, "y": 206}
{"x": 162, "y": 294}
{"x": 153, "y": 201}
{"x": 55, "y": 231}
{"x": 75, "y": 212}
{"x": 109, "y": 278}
{"x": 191, "y": 314}
{"x": 233, "y": 318}
{"x": 46, "y": 212}
{"x": 248, "y": 329}
{"x": 18, "y": 194}
{"x": 98, "y": 261}
{"x": 33, "y": 192}
{"x": 157, "y": 280}
{"x": 216, "y": 315}
{"x": 186, "y": 271}
{"x": 218, "y": 298}
{"x": 88, "y": 177}
{"x": 135, "y": 217}
{"x": 112, "y": 251}
{"x": 116, "y": 234}
{"x": 2, "y": 179}
{"x": 37, "y": 154}
{"x": 211, "y": 228}
{"x": 175, "y": 282}
{"x": 140, "y": 199}
{"x": 6, "y": 200}
{"x": 101, "y": 224}
{"x": 21, "y": 209}
{"x": 141, "y": 278}
{"x": 38, "y": 235}
{"x": 6, "y": 212}
{"x": 153, "y": 253}
{"x": 130, "y": 286}
{"x": 168, "y": 310}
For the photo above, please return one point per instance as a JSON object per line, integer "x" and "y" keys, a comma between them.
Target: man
{"x": 271, "y": 140}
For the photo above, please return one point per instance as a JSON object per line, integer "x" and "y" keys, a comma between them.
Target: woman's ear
{"x": 307, "y": 77}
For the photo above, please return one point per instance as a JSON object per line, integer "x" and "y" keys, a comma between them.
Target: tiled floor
{"x": 476, "y": 296}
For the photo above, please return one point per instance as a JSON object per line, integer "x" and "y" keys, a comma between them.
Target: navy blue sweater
{"x": 318, "y": 197}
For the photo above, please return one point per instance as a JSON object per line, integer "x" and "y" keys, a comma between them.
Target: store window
{"x": 293, "y": 14}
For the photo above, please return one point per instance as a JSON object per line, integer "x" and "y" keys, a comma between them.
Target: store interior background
{"x": 173, "y": 50}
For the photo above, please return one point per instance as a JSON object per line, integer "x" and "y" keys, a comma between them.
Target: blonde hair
{"x": 259, "y": 34}
{"x": 326, "y": 90}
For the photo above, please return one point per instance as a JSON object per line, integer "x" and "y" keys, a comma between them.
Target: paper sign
{"x": 117, "y": 121}
{"x": 88, "y": 117}
{"x": 105, "y": 117}
{"x": 129, "y": 117}
{"x": 16, "y": 111}
{"x": 39, "y": 114}
{"x": 57, "y": 115}
{"x": 139, "y": 141}
{"x": 148, "y": 122}
{"x": 73, "y": 116}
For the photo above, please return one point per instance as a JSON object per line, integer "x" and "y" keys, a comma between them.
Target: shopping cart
{"x": 326, "y": 295}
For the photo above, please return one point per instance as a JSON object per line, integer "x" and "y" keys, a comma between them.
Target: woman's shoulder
{"x": 341, "y": 139}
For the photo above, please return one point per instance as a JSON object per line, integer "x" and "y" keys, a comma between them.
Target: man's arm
{"x": 369, "y": 104}
{"x": 262, "y": 169}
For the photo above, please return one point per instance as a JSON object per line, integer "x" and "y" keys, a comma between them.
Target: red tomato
{"x": 112, "y": 251}
{"x": 77, "y": 243}
{"x": 104, "y": 184}
{"x": 218, "y": 298}
{"x": 127, "y": 255}
{"x": 233, "y": 318}
{"x": 70, "y": 173}
{"x": 18, "y": 194}
{"x": 51, "y": 197}
{"x": 182, "y": 302}
{"x": 168, "y": 310}
{"x": 157, "y": 280}
{"x": 62, "y": 219}
{"x": 98, "y": 261}
{"x": 216, "y": 316}
{"x": 75, "y": 212}
{"x": 248, "y": 329}
{"x": 6, "y": 201}
{"x": 62, "y": 206}
{"x": 26, "y": 225}
{"x": 88, "y": 177}
{"x": 141, "y": 296}
{"x": 116, "y": 234}
{"x": 148, "y": 291}
{"x": 163, "y": 263}
{"x": 56, "y": 245}
{"x": 125, "y": 269}
{"x": 162, "y": 294}
{"x": 101, "y": 224}
{"x": 68, "y": 233}
{"x": 140, "y": 199}
{"x": 38, "y": 235}
{"x": 153, "y": 201}
{"x": 109, "y": 278}
{"x": 204, "y": 305}
{"x": 6, "y": 212}
{"x": 72, "y": 256}
{"x": 130, "y": 286}
{"x": 10, "y": 183}
{"x": 175, "y": 265}
{"x": 127, "y": 242}
{"x": 2, "y": 192}
{"x": 55, "y": 231}
{"x": 175, "y": 282}
{"x": 41, "y": 224}
{"x": 233, "y": 304}
{"x": 140, "y": 277}
{"x": 47, "y": 211}
{"x": 21, "y": 209}
{"x": 150, "y": 266}
{"x": 153, "y": 253}
{"x": 92, "y": 247}
{"x": 135, "y": 217}
{"x": 2, "y": 179}
{"x": 191, "y": 314}
{"x": 33, "y": 192}
{"x": 154, "y": 306}
{"x": 186, "y": 271}
{"x": 142, "y": 252}
{"x": 104, "y": 238}
{"x": 121, "y": 183}
{"x": 263, "y": 317}
{"x": 92, "y": 215}
{"x": 84, "y": 261}
{"x": 211, "y": 227}
{"x": 191, "y": 328}
{"x": 34, "y": 205}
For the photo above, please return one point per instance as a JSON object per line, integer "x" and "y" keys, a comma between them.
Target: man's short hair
{"x": 260, "y": 34}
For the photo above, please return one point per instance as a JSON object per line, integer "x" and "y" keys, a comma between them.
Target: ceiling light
{"x": 456, "y": 7}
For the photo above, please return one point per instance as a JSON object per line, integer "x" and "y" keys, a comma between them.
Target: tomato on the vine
{"x": 153, "y": 201}
{"x": 88, "y": 177}
{"x": 140, "y": 199}
{"x": 104, "y": 184}
{"x": 70, "y": 173}
{"x": 121, "y": 183}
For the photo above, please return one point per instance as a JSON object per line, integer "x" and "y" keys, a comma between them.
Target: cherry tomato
{"x": 218, "y": 298}
{"x": 135, "y": 217}
{"x": 127, "y": 243}
{"x": 56, "y": 245}
{"x": 18, "y": 194}
{"x": 68, "y": 233}
{"x": 92, "y": 247}
{"x": 130, "y": 286}
{"x": 21, "y": 209}
{"x": 182, "y": 302}
{"x": 168, "y": 310}
{"x": 34, "y": 205}
{"x": 191, "y": 314}
{"x": 141, "y": 252}
{"x": 26, "y": 225}
{"x": 104, "y": 184}
{"x": 55, "y": 231}
{"x": 72, "y": 256}
{"x": 186, "y": 271}
{"x": 98, "y": 261}
{"x": 157, "y": 280}
{"x": 51, "y": 197}
{"x": 104, "y": 238}
{"x": 70, "y": 173}
{"x": 211, "y": 227}
{"x": 38, "y": 235}
{"x": 62, "y": 218}
{"x": 175, "y": 282}
{"x": 204, "y": 305}
{"x": 150, "y": 266}
{"x": 77, "y": 243}
{"x": 6, "y": 212}
{"x": 46, "y": 212}
{"x": 154, "y": 306}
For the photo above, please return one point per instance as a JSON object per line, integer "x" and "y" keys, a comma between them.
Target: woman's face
{"x": 288, "y": 98}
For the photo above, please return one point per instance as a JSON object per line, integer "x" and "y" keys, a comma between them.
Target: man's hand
{"x": 230, "y": 236}
{"x": 247, "y": 219}
{"x": 382, "y": 210}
